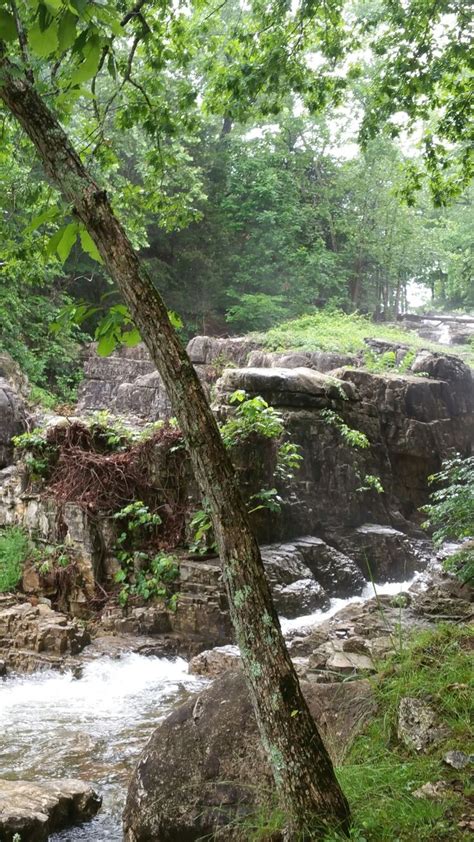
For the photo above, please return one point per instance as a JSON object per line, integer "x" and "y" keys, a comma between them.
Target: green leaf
{"x": 107, "y": 343}
{"x": 79, "y": 5}
{"x": 130, "y": 338}
{"x": 89, "y": 246}
{"x": 111, "y": 67}
{"x": 7, "y": 26}
{"x": 43, "y": 43}
{"x": 47, "y": 216}
{"x": 67, "y": 240}
{"x": 54, "y": 241}
{"x": 175, "y": 319}
{"x": 54, "y": 6}
{"x": 92, "y": 52}
{"x": 67, "y": 31}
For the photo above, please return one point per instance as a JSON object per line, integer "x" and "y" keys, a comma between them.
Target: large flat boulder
{"x": 33, "y": 811}
{"x": 291, "y": 387}
{"x": 317, "y": 360}
{"x": 206, "y": 350}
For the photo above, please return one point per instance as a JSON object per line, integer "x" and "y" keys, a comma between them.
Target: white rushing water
{"x": 94, "y": 727}
{"x": 53, "y": 725}
{"x": 310, "y": 620}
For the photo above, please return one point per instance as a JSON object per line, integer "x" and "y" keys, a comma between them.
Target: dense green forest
{"x": 244, "y": 220}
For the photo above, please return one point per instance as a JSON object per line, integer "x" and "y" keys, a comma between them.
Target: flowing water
{"x": 54, "y": 725}
{"x": 93, "y": 728}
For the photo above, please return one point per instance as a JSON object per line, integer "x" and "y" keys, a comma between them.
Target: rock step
{"x": 198, "y": 599}
{"x": 191, "y": 587}
{"x": 33, "y": 811}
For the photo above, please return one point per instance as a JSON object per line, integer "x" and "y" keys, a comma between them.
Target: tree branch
{"x": 23, "y": 42}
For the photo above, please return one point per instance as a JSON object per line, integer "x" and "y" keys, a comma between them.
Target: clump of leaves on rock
{"x": 142, "y": 574}
{"x": 253, "y": 418}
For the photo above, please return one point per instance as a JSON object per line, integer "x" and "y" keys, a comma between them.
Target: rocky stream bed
{"x": 86, "y": 684}
{"x": 92, "y": 723}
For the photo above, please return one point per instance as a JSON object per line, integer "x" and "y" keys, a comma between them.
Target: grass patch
{"x": 14, "y": 550}
{"x": 379, "y": 775}
{"x": 327, "y": 331}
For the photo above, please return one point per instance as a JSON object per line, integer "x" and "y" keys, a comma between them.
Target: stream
{"x": 94, "y": 728}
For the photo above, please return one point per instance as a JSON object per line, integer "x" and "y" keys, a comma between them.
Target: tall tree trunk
{"x": 307, "y": 786}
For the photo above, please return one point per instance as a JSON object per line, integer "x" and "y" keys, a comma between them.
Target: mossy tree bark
{"x": 304, "y": 776}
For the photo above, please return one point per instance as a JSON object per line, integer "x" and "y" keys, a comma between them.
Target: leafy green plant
{"x": 137, "y": 515}
{"x": 15, "y": 547}
{"x": 451, "y": 511}
{"x": 141, "y": 574}
{"x": 253, "y": 416}
{"x": 147, "y": 578}
{"x": 203, "y": 537}
{"x": 39, "y": 455}
{"x": 353, "y": 438}
{"x": 112, "y": 431}
{"x": 289, "y": 459}
{"x": 51, "y": 558}
{"x": 266, "y": 498}
{"x": 371, "y": 483}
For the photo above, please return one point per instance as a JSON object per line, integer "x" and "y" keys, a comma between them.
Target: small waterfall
{"x": 444, "y": 334}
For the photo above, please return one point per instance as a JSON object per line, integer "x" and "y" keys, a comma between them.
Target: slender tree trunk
{"x": 303, "y": 772}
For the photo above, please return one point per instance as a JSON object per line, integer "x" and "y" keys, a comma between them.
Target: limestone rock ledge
{"x": 35, "y": 810}
{"x": 36, "y": 637}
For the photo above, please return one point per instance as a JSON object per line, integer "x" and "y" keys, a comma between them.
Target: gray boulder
{"x": 204, "y": 768}
{"x": 12, "y": 420}
{"x": 418, "y": 727}
{"x": 205, "y": 350}
{"x": 323, "y": 361}
{"x": 292, "y": 387}
{"x": 301, "y": 597}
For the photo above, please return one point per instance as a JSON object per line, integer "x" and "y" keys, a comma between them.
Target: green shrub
{"x": 252, "y": 416}
{"x": 451, "y": 511}
{"x": 14, "y": 550}
{"x": 142, "y": 574}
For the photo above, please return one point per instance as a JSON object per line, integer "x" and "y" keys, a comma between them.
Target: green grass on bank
{"x": 339, "y": 332}
{"x": 379, "y": 775}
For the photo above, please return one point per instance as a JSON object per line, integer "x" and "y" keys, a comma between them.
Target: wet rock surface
{"x": 36, "y": 810}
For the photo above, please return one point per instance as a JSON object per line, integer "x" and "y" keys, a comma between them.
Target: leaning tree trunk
{"x": 307, "y": 787}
